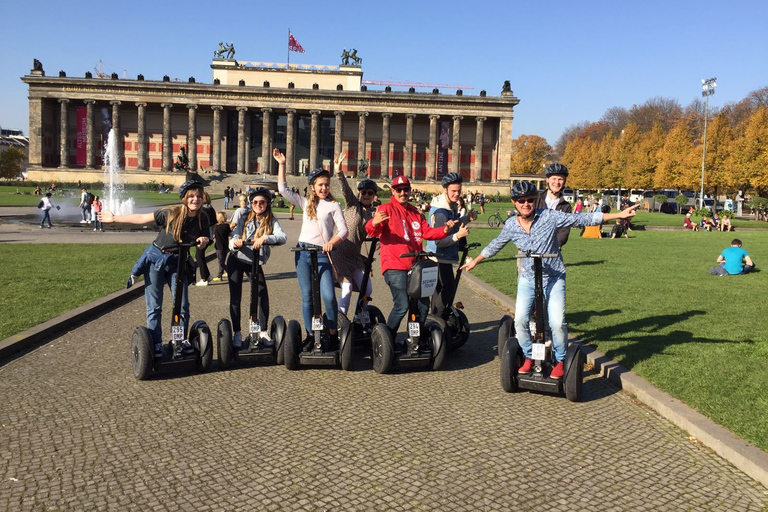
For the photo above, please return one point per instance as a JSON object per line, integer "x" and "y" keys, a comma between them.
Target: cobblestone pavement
{"x": 77, "y": 432}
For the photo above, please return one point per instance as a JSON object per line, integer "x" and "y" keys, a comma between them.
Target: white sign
{"x": 539, "y": 352}
{"x": 255, "y": 327}
{"x": 317, "y": 324}
{"x": 177, "y": 332}
{"x": 414, "y": 329}
{"x": 428, "y": 281}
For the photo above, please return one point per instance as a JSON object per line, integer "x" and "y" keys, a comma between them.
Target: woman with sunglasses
{"x": 536, "y": 231}
{"x": 260, "y": 227}
{"x": 346, "y": 256}
{"x": 321, "y": 216}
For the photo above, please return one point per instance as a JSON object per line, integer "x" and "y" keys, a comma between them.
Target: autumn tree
{"x": 676, "y": 165}
{"x": 749, "y": 159}
{"x": 719, "y": 146}
{"x": 529, "y": 154}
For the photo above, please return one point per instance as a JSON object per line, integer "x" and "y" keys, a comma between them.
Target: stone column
{"x": 505, "y": 148}
{"x": 35, "y": 132}
{"x": 141, "y": 136}
{"x": 361, "y": 139}
{"x": 339, "y": 125}
{"x": 456, "y": 150}
{"x": 241, "y": 139}
{"x": 431, "y": 159}
{"x": 477, "y": 168}
{"x": 313, "y": 141}
{"x": 385, "y": 145}
{"x": 90, "y": 135}
{"x": 116, "y": 127}
{"x": 266, "y": 141}
{"x": 290, "y": 122}
{"x": 216, "y": 142}
{"x": 409, "y": 169}
{"x": 167, "y": 144}
{"x": 192, "y": 137}
{"x": 63, "y": 130}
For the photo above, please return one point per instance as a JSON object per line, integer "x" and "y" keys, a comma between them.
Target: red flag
{"x": 293, "y": 44}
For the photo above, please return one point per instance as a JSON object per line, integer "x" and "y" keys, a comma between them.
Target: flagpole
{"x": 289, "y": 47}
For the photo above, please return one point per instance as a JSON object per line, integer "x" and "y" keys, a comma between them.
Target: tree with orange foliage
{"x": 530, "y": 154}
{"x": 676, "y": 166}
{"x": 749, "y": 159}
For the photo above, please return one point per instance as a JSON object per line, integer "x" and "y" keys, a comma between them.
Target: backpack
{"x": 89, "y": 198}
{"x": 40, "y": 204}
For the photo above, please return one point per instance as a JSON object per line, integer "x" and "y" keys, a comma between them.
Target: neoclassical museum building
{"x": 310, "y": 112}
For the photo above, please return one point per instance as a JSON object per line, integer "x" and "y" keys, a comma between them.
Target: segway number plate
{"x": 538, "y": 352}
{"x": 317, "y": 324}
{"x": 365, "y": 317}
{"x": 254, "y": 327}
{"x": 177, "y": 333}
{"x": 414, "y": 329}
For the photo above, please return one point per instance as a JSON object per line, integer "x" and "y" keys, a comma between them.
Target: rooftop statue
{"x": 224, "y": 49}
{"x": 37, "y": 65}
{"x": 346, "y": 56}
{"x": 506, "y": 87}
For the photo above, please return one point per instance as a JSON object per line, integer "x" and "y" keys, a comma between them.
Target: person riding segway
{"x": 250, "y": 249}
{"x": 444, "y": 208}
{"x": 556, "y": 175}
{"x": 535, "y": 232}
{"x": 166, "y": 262}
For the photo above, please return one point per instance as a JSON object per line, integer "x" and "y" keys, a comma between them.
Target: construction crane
{"x": 415, "y": 84}
{"x": 99, "y": 69}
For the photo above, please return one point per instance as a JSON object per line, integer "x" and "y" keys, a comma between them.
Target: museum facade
{"x": 310, "y": 112}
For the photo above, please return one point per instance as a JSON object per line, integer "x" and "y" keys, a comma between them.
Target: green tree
{"x": 10, "y": 162}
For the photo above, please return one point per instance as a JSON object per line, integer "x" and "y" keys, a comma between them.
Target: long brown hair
{"x": 178, "y": 213}
{"x": 313, "y": 200}
{"x": 265, "y": 224}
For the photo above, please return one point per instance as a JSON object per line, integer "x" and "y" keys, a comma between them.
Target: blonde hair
{"x": 265, "y": 224}
{"x": 313, "y": 200}
{"x": 221, "y": 218}
{"x": 243, "y": 200}
{"x": 178, "y": 213}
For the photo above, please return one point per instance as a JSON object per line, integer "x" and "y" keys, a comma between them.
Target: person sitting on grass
{"x": 733, "y": 261}
{"x": 618, "y": 230}
{"x": 725, "y": 224}
{"x": 687, "y": 224}
{"x": 707, "y": 224}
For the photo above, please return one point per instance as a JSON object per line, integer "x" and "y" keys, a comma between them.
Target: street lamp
{"x": 707, "y": 90}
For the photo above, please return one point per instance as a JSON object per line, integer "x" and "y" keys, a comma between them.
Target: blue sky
{"x": 567, "y": 61}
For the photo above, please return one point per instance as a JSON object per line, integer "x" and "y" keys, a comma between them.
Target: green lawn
{"x": 42, "y": 281}
{"x": 649, "y": 303}
{"x": 9, "y": 197}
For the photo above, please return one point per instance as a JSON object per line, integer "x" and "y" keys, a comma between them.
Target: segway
{"x": 314, "y": 351}
{"x": 176, "y": 354}
{"x": 452, "y": 319}
{"x": 425, "y": 346}
{"x": 252, "y": 348}
{"x": 542, "y": 354}
{"x": 356, "y": 333}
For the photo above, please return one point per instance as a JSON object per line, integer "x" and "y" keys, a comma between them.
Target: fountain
{"x": 114, "y": 188}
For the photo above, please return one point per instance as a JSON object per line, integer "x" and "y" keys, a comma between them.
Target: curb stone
{"x": 742, "y": 454}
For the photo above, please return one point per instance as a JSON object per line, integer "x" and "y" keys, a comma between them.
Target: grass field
{"x": 649, "y": 303}
{"x": 42, "y": 281}
{"x": 9, "y": 197}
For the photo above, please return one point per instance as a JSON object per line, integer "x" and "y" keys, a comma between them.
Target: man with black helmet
{"x": 444, "y": 208}
{"x": 552, "y": 197}
{"x": 536, "y": 230}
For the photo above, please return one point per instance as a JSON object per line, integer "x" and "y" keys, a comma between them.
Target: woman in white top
{"x": 321, "y": 215}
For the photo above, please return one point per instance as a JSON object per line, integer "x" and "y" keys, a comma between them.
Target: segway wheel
{"x": 200, "y": 338}
{"x": 437, "y": 344}
{"x": 292, "y": 345}
{"x": 382, "y": 347}
{"x": 142, "y": 353}
{"x": 377, "y": 317}
{"x": 510, "y": 362}
{"x": 347, "y": 342}
{"x": 277, "y": 332}
{"x": 224, "y": 343}
{"x": 459, "y": 326}
{"x": 574, "y": 376}
{"x": 506, "y": 331}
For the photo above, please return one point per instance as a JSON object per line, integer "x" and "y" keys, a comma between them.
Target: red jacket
{"x": 403, "y": 232}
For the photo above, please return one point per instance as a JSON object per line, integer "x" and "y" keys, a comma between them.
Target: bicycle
{"x": 495, "y": 219}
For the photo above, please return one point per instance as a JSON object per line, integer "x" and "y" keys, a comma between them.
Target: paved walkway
{"x": 79, "y": 433}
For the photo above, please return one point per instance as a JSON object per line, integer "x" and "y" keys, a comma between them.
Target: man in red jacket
{"x": 400, "y": 229}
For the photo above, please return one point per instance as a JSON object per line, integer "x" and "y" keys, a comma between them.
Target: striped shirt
{"x": 542, "y": 239}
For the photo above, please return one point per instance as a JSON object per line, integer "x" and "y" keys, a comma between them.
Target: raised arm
{"x": 282, "y": 185}
{"x": 107, "y": 216}
{"x": 350, "y": 198}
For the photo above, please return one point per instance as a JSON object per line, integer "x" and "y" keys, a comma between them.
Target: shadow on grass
{"x": 646, "y": 340}
{"x": 586, "y": 263}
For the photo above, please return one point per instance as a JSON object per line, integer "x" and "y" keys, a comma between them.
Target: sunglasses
{"x": 402, "y": 190}
{"x": 366, "y": 193}
{"x": 259, "y": 203}
{"x": 526, "y": 200}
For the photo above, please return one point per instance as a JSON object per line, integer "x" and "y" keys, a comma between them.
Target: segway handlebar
{"x": 310, "y": 249}
{"x": 473, "y": 245}
{"x": 535, "y": 255}
{"x": 420, "y": 254}
{"x": 249, "y": 243}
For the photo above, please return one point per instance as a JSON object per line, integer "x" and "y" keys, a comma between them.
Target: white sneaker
{"x": 83, "y": 222}
{"x": 201, "y": 282}
{"x": 95, "y": 229}
{"x": 237, "y": 340}
{"x": 265, "y": 340}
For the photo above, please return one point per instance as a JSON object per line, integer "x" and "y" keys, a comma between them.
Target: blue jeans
{"x": 226, "y": 202}
{"x": 155, "y": 279}
{"x": 554, "y": 297}
{"x": 304, "y": 272}
{"x": 96, "y": 223}
{"x": 397, "y": 281}
{"x": 46, "y": 217}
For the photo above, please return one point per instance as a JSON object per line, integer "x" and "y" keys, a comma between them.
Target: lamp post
{"x": 707, "y": 90}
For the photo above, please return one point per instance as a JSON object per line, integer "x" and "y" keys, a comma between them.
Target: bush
{"x": 758, "y": 203}
{"x": 681, "y": 201}
{"x": 660, "y": 199}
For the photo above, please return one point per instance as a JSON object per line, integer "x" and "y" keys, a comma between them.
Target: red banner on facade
{"x": 82, "y": 134}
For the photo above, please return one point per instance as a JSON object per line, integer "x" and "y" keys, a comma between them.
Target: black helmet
{"x": 367, "y": 184}
{"x": 451, "y": 177}
{"x": 316, "y": 174}
{"x": 523, "y": 189}
{"x": 188, "y": 185}
{"x": 261, "y": 191}
{"x": 556, "y": 168}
